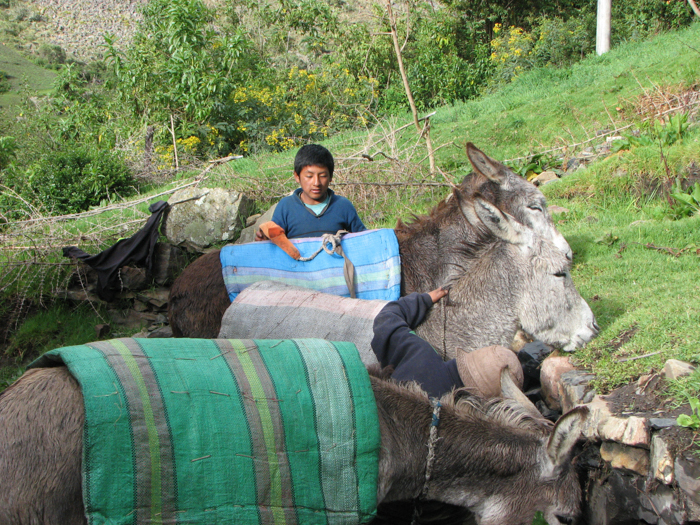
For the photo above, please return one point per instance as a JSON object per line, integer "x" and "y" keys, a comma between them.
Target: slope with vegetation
{"x": 262, "y": 78}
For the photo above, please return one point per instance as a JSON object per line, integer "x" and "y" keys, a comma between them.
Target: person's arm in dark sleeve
{"x": 355, "y": 223}
{"x": 412, "y": 358}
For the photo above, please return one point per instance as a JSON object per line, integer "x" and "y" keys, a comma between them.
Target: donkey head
{"x": 552, "y": 485}
{"x": 514, "y": 195}
{"x": 535, "y": 289}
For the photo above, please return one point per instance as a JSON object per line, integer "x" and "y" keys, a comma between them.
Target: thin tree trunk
{"x": 425, "y": 131}
{"x": 172, "y": 132}
{"x": 694, "y": 6}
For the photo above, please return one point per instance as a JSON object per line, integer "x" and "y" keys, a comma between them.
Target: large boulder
{"x": 200, "y": 217}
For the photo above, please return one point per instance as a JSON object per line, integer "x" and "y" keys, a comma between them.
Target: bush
{"x": 551, "y": 42}
{"x": 52, "y": 55}
{"x": 72, "y": 180}
{"x": 5, "y": 85}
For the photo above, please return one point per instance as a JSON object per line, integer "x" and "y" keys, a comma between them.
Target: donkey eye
{"x": 566, "y": 520}
{"x": 560, "y": 274}
{"x": 535, "y": 207}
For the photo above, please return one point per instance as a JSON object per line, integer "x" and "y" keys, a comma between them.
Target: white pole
{"x": 602, "y": 36}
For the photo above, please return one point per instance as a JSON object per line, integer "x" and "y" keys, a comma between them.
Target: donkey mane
{"x": 465, "y": 405}
{"x": 441, "y": 214}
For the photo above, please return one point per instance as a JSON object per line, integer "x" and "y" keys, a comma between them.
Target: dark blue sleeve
{"x": 413, "y": 358}
{"x": 354, "y": 223}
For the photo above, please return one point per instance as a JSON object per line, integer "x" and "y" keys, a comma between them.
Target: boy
{"x": 314, "y": 209}
{"x": 413, "y": 359}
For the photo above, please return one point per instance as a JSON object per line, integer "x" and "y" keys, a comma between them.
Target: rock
{"x": 574, "y": 389}
{"x": 573, "y": 164}
{"x": 551, "y": 371}
{"x": 673, "y": 369}
{"x": 601, "y": 424}
{"x": 164, "y": 331}
{"x": 204, "y": 216}
{"x": 140, "y": 306}
{"x": 79, "y": 296}
{"x": 250, "y": 221}
{"x": 622, "y": 498}
{"x": 554, "y": 209}
{"x": 102, "y": 330}
{"x": 132, "y": 278}
{"x": 519, "y": 341}
{"x": 661, "y": 461}
{"x": 168, "y": 262}
{"x": 657, "y": 423}
{"x": 157, "y": 297}
{"x": 623, "y": 457}
{"x": 687, "y": 475}
{"x": 544, "y": 178}
{"x": 248, "y": 234}
{"x": 132, "y": 319}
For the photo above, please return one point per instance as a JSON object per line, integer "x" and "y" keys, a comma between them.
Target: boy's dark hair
{"x": 313, "y": 155}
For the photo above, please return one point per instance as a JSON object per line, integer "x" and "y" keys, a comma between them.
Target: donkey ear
{"x": 501, "y": 224}
{"x": 566, "y": 433}
{"x": 486, "y": 166}
{"x": 509, "y": 390}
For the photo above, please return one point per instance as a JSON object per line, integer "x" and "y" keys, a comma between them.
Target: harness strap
{"x": 334, "y": 240}
{"x": 430, "y": 461}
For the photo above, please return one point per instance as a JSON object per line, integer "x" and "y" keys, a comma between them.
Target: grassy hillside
{"x": 21, "y": 73}
{"x": 636, "y": 258}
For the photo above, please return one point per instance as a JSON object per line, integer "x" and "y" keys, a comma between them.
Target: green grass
{"x": 48, "y": 329}
{"x": 22, "y": 72}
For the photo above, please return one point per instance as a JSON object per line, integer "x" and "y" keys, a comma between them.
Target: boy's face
{"x": 314, "y": 181}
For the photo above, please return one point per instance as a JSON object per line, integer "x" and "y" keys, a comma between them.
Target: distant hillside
{"x": 78, "y": 26}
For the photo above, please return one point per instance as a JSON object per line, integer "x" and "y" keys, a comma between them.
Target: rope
{"x": 335, "y": 247}
{"x": 430, "y": 461}
{"x": 328, "y": 238}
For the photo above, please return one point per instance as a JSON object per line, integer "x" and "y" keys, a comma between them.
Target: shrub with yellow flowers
{"x": 298, "y": 106}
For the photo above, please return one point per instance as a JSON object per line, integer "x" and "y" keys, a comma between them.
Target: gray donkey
{"x": 430, "y": 246}
{"x": 511, "y": 278}
{"x": 495, "y": 458}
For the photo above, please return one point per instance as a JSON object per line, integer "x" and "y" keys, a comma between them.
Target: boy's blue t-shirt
{"x": 299, "y": 221}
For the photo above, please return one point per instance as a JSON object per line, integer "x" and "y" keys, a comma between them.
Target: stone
{"x": 140, "y": 306}
{"x": 248, "y": 234}
{"x": 687, "y": 474}
{"x": 102, "y": 330}
{"x": 661, "y": 461}
{"x": 250, "y": 221}
{"x": 519, "y": 341}
{"x": 79, "y": 296}
{"x": 551, "y": 371}
{"x": 168, "y": 262}
{"x": 200, "y": 217}
{"x": 162, "y": 332}
{"x": 544, "y": 178}
{"x": 621, "y": 498}
{"x": 657, "y": 423}
{"x": 157, "y": 297}
{"x": 673, "y": 369}
{"x": 130, "y": 278}
{"x": 623, "y": 457}
{"x": 636, "y": 432}
{"x": 554, "y": 209}
{"x": 574, "y": 389}
{"x": 132, "y": 319}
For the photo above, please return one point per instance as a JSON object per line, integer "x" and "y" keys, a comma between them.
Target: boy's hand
{"x": 438, "y": 294}
{"x": 260, "y": 236}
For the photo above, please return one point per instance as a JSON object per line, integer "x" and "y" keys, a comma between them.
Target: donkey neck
{"x": 475, "y": 456}
{"x": 430, "y": 248}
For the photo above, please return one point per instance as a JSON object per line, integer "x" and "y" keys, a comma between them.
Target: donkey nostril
{"x": 596, "y": 328}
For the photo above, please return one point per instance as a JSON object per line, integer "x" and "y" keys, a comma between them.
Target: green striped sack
{"x": 225, "y": 431}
